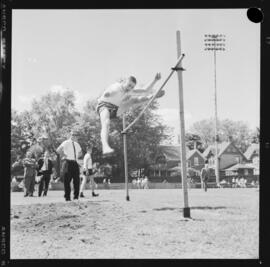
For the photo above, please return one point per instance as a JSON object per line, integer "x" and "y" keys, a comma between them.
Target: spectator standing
{"x": 134, "y": 182}
{"x": 88, "y": 172}
{"x": 70, "y": 151}
{"x": 138, "y": 183}
{"x": 233, "y": 182}
{"x": 30, "y": 167}
{"x": 45, "y": 170}
{"x": 145, "y": 183}
{"x": 205, "y": 175}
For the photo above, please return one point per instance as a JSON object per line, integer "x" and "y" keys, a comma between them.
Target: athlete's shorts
{"x": 111, "y": 107}
{"x": 90, "y": 171}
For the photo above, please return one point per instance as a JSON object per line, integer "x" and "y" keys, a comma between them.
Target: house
{"x": 253, "y": 153}
{"x": 240, "y": 169}
{"x": 253, "y": 156}
{"x": 195, "y": 159}
{"x": 168, "y": 157}
{"x": 228, "y": 155}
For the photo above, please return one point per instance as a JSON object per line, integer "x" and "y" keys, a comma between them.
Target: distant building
{"x": 168, "y": 160}
{"x": 241, "y": 169}
{"x": 228, "y": 155}
{"x": 195, "y": 159}
{"x": 253, "y": 153}
{"x": 253, "y": 156}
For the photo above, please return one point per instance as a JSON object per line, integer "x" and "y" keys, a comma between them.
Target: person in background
{"x": 45, "y": 170}
{"x": 145, "y": 182}
{"x": 237, "y": 183}
{"x": 138, "y": 183}
{"x": 134, "y": 183}
{"x": 70, "y": 151}
{"x": 233, "y": 182}
{"x": 205, "y": 175}
{"x": 30, "y": 166}
{"x": 88, "y": 172}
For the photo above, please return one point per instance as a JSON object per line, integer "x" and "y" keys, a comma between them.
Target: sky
{"x": 87, "y": 50}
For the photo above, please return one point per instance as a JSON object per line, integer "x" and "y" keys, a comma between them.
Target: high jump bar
{"x": 155, "y": 95}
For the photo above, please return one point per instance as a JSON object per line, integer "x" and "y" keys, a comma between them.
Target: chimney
{"x": 230, "y": 138}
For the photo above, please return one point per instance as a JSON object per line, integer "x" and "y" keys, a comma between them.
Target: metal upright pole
{"x": 216, "y": 122}
{"x": 186, "y": 210}
{"x": 215, "y": 42}
{"x": 125, "y": 157}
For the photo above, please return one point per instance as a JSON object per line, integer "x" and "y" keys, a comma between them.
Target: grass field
{"x": 224, "y": 224}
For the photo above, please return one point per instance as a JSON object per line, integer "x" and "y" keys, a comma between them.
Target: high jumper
{"x": 121, "y": 96}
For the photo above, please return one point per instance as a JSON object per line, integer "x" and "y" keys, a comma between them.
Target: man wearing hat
{"x": 70, "y": 151}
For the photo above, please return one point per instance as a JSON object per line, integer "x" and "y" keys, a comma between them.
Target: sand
{"x": 224, "y": 224}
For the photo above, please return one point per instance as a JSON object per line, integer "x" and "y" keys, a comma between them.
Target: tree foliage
{"x": 194, "y": 141}
{"x": 237, "y": 130}
{"x": 54, "y": 115}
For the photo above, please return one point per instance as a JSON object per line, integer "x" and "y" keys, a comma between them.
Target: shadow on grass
{"x": 193, "y": 208}
{"x": 166, "y": 208}
{"x": 208, "y": 208}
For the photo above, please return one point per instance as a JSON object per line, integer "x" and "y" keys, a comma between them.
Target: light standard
{"x": 215, "y": 42}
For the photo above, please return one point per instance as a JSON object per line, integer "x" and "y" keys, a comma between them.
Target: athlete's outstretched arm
{"x": 148, "y": 88}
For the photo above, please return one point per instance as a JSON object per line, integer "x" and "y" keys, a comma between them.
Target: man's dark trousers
{"x": 44, "y": 183}
{"x": 71, "y": 171}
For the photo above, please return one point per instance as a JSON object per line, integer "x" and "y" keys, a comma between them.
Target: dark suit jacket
{"x": 40, "y": 164}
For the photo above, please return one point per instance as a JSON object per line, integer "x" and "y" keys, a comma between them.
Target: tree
{"x": 55, "y": 114}
{"x": 142, "y": 139}
{"x": 52, "y": 115}
{"x": 237, "y": 130}
{"x": 255, "y": 136}
{"x": 205, "y": 129}
{"x": 192, "y": 139}
{"x": 22, "y": 133}
{"x": 88, "y": 124}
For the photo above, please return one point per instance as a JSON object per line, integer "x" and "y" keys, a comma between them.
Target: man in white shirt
{"x": 121, "y": 94}
{"x": 88, "y": 171}
{"x": 70, "y": 151}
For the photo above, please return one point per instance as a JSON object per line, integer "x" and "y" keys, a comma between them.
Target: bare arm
{"x": 136, "y": 101}
{"x": 148, "y": 88}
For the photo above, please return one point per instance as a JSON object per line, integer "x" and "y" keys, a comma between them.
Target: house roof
{"x": 221, "y": 149}
{"x": 190, "y": 153}
{"x": 251, "y": 149}
{"x": 240, "y": 166}
{"x": 172, "y": 152}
